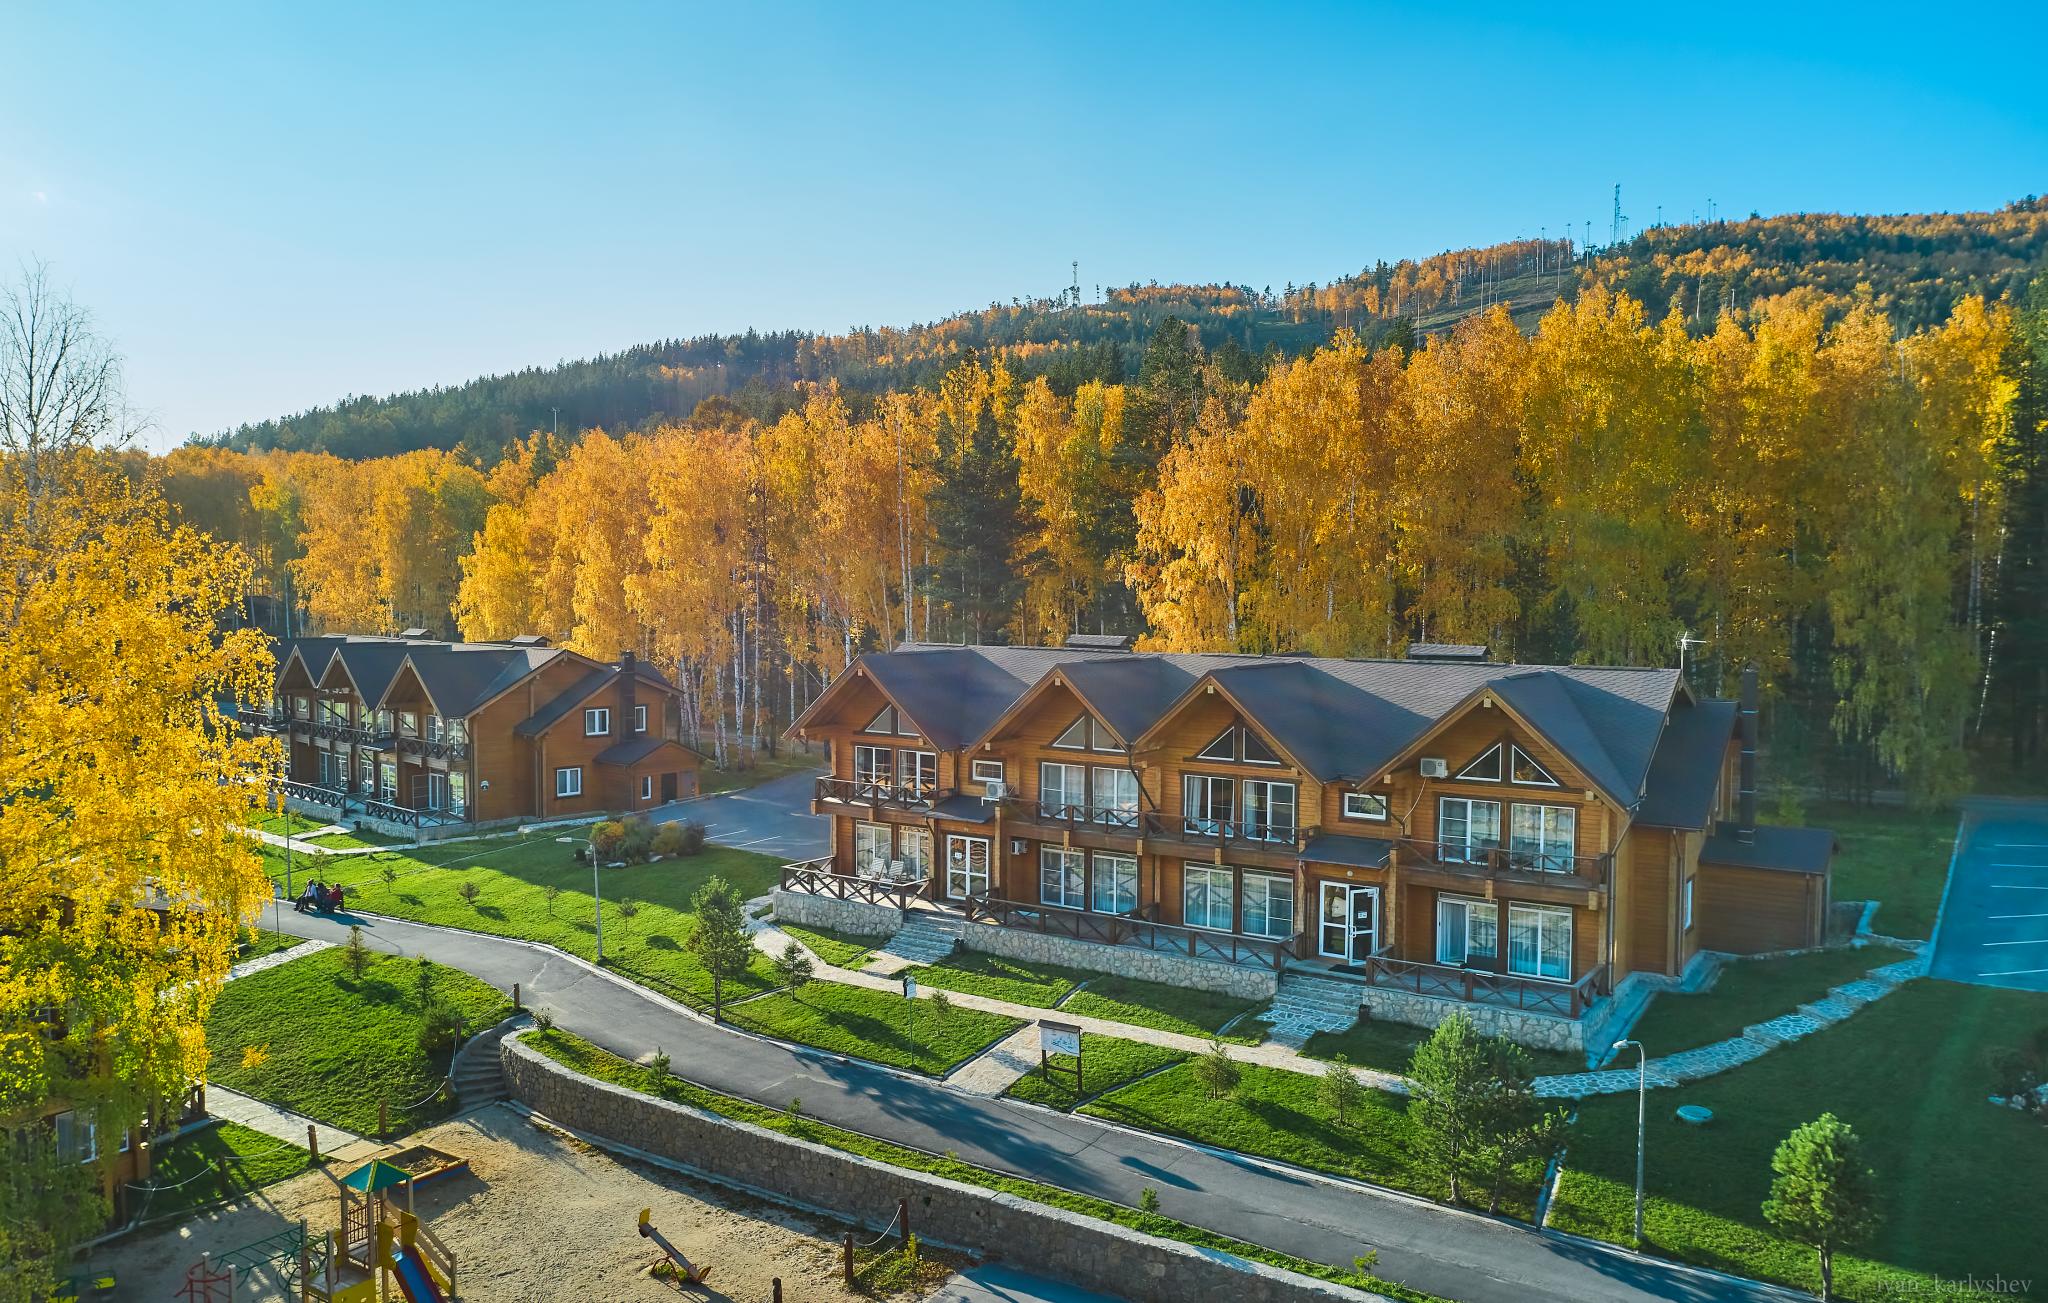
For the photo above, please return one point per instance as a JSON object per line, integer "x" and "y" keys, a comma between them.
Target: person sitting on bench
{"x": 309, "y": 899}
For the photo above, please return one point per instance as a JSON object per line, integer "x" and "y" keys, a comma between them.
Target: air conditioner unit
{"x": 994, "y": 790}
{"x": 1434, "y": 768}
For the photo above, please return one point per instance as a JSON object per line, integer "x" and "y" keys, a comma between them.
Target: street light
{"x": 590, "y": 848}
{"x": 1642, "y": 1102}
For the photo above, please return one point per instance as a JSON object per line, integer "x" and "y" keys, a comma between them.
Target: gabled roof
{"x": 1687, "y": 766}
{"x": 637, "y": 748}
{"x": 1614, "y": 753}
{"x": 540, "y": 721}
{"x": 1782, "y": 850}
{"x": 459, "y": 677}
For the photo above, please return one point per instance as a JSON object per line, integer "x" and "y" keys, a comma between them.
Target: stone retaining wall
{"x": 823, "y": 912}
{"x": 1538, "y": 1030}
{"x": 1083, "y": 1251}
{"x": 1238, "y": 980}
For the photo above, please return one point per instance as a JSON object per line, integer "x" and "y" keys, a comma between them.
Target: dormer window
{"x": 1239, "y": 745}
{"x": 1086, "y": 734}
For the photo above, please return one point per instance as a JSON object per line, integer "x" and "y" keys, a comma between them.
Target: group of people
{"x": 317, "y": 897}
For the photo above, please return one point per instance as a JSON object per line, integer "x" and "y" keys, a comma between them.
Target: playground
{"x": 536, "y": 1215}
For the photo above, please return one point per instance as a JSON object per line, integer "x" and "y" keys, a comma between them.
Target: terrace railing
{"x": 1132, "y": 930}
{"x": 1501, "y": 861}
{"x": 816, "y": 878}
{"x": 880, "y": 792}
{"x": 1109, "y": 818}
{"x": 392, "y": 812}
{"x": 314, "y": 793}
{"x": 1533, "y": 994}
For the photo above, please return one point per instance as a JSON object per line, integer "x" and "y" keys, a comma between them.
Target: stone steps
{"x": 924, "y": 938}
{"x": 1306, "y": 1005}
{"x": 478, "y": 1073}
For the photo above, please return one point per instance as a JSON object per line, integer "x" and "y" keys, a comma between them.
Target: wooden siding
{"x": 1747, "y": 911}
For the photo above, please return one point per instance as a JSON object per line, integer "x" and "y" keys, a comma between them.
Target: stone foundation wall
{"x": 1083, "y": 1251}
{"x": 1236, "y": 980}
{"x": 856, "y": 916}
{"x": 1541, "y": 1031}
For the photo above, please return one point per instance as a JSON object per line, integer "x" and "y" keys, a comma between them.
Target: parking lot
{"x": 1994, "y": 917}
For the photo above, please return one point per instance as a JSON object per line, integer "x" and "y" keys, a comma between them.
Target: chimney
{"x": 1746, "y": 792}
{"x": 629, "y": 679}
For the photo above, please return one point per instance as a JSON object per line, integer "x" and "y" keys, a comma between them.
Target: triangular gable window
{"x": 1102, "y": 740}
{"x": 882, "y": 723}
{"x": 1256, "y": 752}
{"x": 1075, "y": 738}
{"x": 1527, "y": 772}
{"x": 903, "y": 726}
{"x": 1486, "y": 769}
{"x": 1223, "y": 748}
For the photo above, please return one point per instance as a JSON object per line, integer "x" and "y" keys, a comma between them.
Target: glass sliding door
{"x": 1115, "y": 886}
{"x": 1540, "y": 941}
{"x": 1062, "y": 877}
{"x": 1467, "y": 932}
{"x": 1116, "y": 796}
{"x": 966, "y": 867}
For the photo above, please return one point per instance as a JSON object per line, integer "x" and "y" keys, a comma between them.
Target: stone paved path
{"x": 234, "y": 1106}
{"x": 276, "y": 957}
{"x": 997, "y": 1069}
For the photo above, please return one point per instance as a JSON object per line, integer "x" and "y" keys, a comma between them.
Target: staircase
{"x": 926, "y": 937}
{"x": 1305, "y": 1005}
{"x": 478, "y": 1073}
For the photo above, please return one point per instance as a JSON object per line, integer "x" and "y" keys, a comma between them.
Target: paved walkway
{"x": 276, "y": 957}
{"x": 234, "y": 1106}
{"x": 998, "y": 1068}
{"x": 1447, "y": 1252}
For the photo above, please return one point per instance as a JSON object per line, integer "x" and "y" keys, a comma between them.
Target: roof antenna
{"x": 1684, "y": 641}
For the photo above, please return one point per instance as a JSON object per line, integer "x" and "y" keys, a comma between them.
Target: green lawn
{"x": 286, "y": 823}
{"x": 1390, "y": 1046}
{"x": 839, "y": 949}
{"x": 511, "y": 877}
{"x": 357, "y": 840}
{"x": 1894, "y": 855}
{"x": 1166, "y": 1008}
{"x": 257, "y": 942}
{"x": 1112, "y": 1062}
{"x": 1959, "y": 1180}
{"x": 586, "y": 1058}
{"x": 1039, "y": 985}
{"x": 711, "y": 780}
{"x": 1750, "y": 991}
{"x": 333, "y": 1045}
{"x": 223, "y": 1161}
{"x": 1274, "y": 1114}
{"x": 874, "y": 1025}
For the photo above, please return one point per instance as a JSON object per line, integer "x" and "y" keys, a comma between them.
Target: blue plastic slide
{"x": 414, "y": 1279}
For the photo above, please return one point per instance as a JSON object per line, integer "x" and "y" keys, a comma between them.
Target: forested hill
{"x": 1914, "y": 267}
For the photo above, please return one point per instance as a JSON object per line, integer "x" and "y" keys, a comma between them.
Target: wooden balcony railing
{"x": 339, "y": 732}
{"x": 1265, "y": 835}
{"x": 816, "y": 878}
{"x": 1056, "y": 815}
{"x": 392, "y": 812}
{"x": 866, "y": 791}
{"x": 1534, "y": 994}
{"x": 1499, "y": 861}
{"x": 315, "y": 793}
{"x": 441, "y": 747}
{"x": 1132, "y": 930}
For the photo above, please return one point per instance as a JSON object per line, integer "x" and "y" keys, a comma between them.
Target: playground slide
{"x": 414, "y": 1279}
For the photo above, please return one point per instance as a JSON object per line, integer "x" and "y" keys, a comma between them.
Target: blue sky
{"x": 272, "y": 205}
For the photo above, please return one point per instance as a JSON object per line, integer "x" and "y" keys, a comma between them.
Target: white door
{"x": 966, "y": 867}
{"x": 1348, "y": 922}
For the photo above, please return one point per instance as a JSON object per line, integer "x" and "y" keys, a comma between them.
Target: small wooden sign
{"x": 1059, "y": 1038}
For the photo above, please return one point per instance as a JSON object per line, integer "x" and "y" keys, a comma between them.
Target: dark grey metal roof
{"x": 576, "y": 693}
{"x": 964, "y": 809}
{"x": 1687, "y": 766}
{"x": 635, "y": 749}
{"x": 459, "y": 677}
{"x": 1786, "y": 850}
{"x": 1353, "y": 852}
{"x": 1129, "y": 692}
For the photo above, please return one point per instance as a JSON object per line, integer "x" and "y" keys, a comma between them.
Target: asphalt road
{"x": 1453, "y": 1254}
{"x": 774, "y": 818}
{"x": 1994, "y": 915}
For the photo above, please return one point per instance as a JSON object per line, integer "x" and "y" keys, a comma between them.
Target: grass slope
{"x": 583, "y": 1057}
{"x": 1039, "y": 985}
{"x": 839, "y": 949}
{"x": 1894, "y": 855}
{"x": 874, "y": 1025}
{"x": 336, "y": 1044}
{"x": 1111, "y": 1064}
{"x": 224, "y": 1161}
{"x": 1165, "y": 1008}
{"x": 1909, "y": 1073}
{"x": 1390, "y": 1046}
{"x": 1751, "y": 991}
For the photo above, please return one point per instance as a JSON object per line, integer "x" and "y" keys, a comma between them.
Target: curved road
{"x": 1452, "y": 1254}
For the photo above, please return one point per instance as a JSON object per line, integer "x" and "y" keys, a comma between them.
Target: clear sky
{"x": 272, "y": 205}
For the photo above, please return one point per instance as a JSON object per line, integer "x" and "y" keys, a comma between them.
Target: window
{"x": 647, "y": 787}
{"x": 966, "y": 867}
{"x": 1060, "y": 790}
{"x": 299, "y": 707}
{"x": 1687, "y": 925}
{"x": 1527, "y": 772}
{"x": 882, "y": 723}
{"x": 919, "y": 771}
{"x": 569, "y": 781}
{"x": 597, "y": 721}
{"x": 1205, "y": 897}
{"x": 1466, "y": 830}
{"x": 871, "y": 849}
{"x": 366, "y": 770}
{"x": 1075, "y": 737}
{"x": 1268, "y": 908}
{"x": 409, "y": 723}
{"x": 77, "y": 1137}
{"x": 437, "y": 791}
{"x": 1223, "y": 748}
{"x": 1485, "y": 769}
{"x": 873, "y": 766}
{"x": 458, "y": 730}
{"x": 1365, "y": 805}
{"x": 1116, "y": 884}
{"x": 1540, "y": 941}
{"x": 333, "y": 769}
{"x": 1541, "y": 837}
{"x": 914, "y": 848}
{"x": 1256, "y": 752}
{"x": 1207, "y": 804}
{"x": 436, "y": 730}
{"x": 988, "y": 771}
{"x": 385, "y": 723}
{"x": 1116, "y": 796}
{"x": 1061, "y": 877}
{"x": 1467, "y": 931}
{"x": 639, "y": 719}
{"x": 387, "y": 780}
{"x": 1268, "y": 810}
{"x": 458, "y": 793}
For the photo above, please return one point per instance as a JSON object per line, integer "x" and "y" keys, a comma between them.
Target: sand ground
{"x": 540, "y": 1216}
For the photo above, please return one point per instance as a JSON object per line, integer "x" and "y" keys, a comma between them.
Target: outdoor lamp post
{"x": 590, "y": 849}
{"x": 1642, "y": 1100}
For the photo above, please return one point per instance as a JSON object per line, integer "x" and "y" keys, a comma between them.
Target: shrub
{"x": 543, "y": 1020}
{"x": 668, "y": 839}
{"x": 1217, "y": 1071}
{"x": 469, "y": 891}
{"x": 637, "y": 842}
{"x": 1148, "y": 1200}
{"x": 793, "y": 968}
{"x": 606, "y": 838}
{"x": 255, "y": 1056}
{"x": 441, "y": 1026}
{"x": 356, "y": 954}
{"x": 693, "y": 839}
{"x": 658, "y": 1065}
{"x": 548, "y": 893}
{"x": 389, "y": 874}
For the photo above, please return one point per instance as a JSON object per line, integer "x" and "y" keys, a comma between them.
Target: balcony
{"x": 335, "y": 730}
{"x": 1485, "y": 986}
{"x": 315, "y": 793}
{"x": 876, "y": 794}
{"x": 1133, "y": 930}
{"x": 1073, "y": 818}
{"x": 439, "y": 748}
{"x": 816, "y": 878}
{"x": 1264, "y": 835}
{"x": 1522, "y": 867}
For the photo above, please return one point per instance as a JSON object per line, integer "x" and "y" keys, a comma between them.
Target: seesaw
{"x": 689, "y": 1274}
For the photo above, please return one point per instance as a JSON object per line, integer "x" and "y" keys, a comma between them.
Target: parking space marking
{"x": 2016, "y": 916}
{"x": 2013, "y": 864}
{"x": 2019, "y": 846}
{"x": 2014, "y": 972}
{"x": 2013, "y": 886}
{"x": 2042, "y": 942}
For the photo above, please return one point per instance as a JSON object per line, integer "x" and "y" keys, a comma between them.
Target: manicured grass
{"x": 874, "y": 1025}
{"x": 333, "y": 1045}
{"x": 223, "y": 1161}
{"x": 1957, "y": 1178}
{"x": 1274, "y": 1113}
{"x": 511, "y": 877}
{"x": 357, "y": 840}
{"x": 1166, "y": 1008}
{"x": 839, "y": 949}
{"x": 285, "y": 823}
{"x": 586, "y": 1058}
{"x": 1111, "y": 1063}
{"x": 1039, "y": 985}
{"x": 711, "y": 780}
{"x": 1751, "y": 991}
{"x": 1390, "y": 1046}
{"x": 258, "y": 942}
{"x": 1893, "y": 855}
